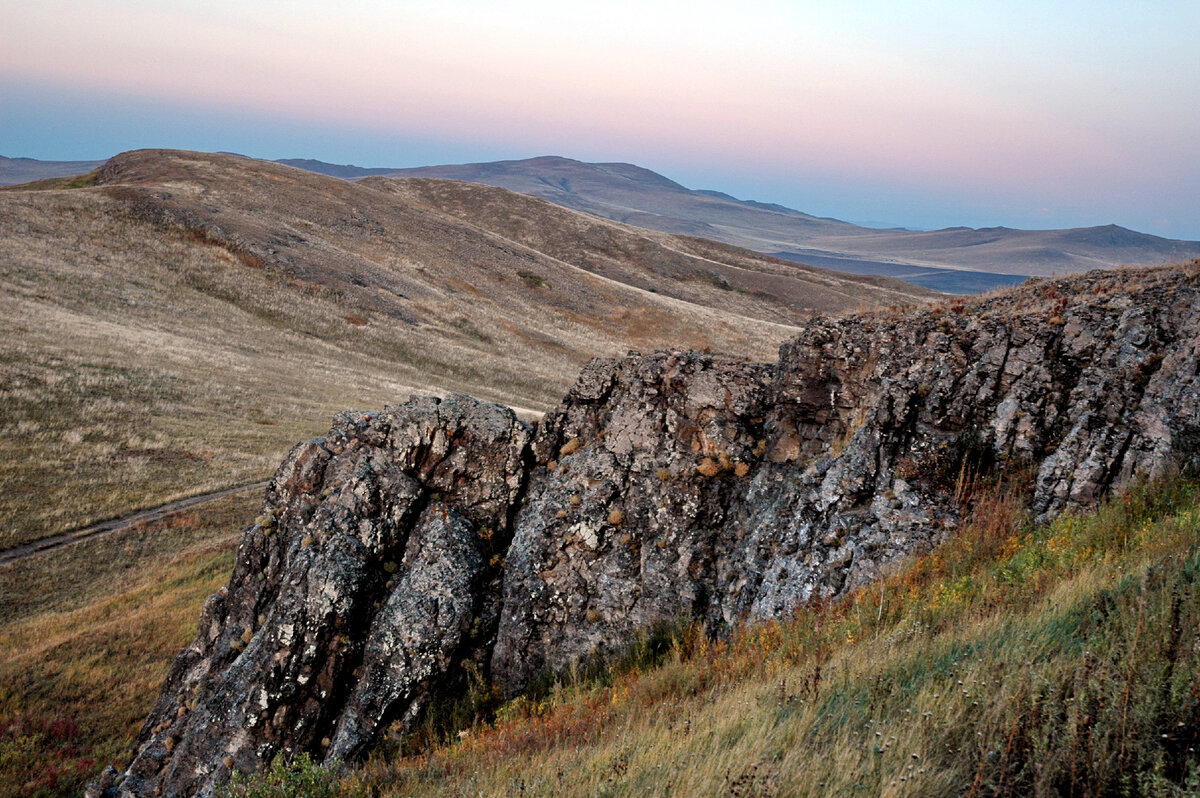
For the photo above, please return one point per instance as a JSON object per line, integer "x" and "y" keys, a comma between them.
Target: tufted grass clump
{"x": 1015, "y": 660}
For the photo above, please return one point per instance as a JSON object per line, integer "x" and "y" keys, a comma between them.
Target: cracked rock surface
{"x": 363, "y": 581}
{"x": 666, "y": 486}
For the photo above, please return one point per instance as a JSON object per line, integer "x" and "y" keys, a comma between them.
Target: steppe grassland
{"x": 87, "y": 634}
{"x": 1012, "y": 661}
{"x": 143, "y": 364}
{"x": 140, "y": 367}
{"x": 128, "y": 380}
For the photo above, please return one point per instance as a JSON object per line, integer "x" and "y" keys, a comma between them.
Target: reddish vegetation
{"x": 48, "y": 750}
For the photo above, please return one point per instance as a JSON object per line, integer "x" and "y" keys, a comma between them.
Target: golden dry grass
{"x": 149, "y": 357}
{"x": 1014, "y": 661}
{"x": 87, "y": 634}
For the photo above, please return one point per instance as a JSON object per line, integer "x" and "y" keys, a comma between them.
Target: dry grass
{"x": 1058, "y": 661}
{"x": 87, "y": 634}
{"x": 130, "y": 377}
{"x": 703, "y": 272}
{"x": 152, "y": 357}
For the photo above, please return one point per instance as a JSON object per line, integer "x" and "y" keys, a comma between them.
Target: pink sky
{"x": 1000, "y": 113}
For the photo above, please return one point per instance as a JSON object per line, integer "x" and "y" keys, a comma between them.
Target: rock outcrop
{"x": 354, "y": 593}
{"x": 439, "y": 536}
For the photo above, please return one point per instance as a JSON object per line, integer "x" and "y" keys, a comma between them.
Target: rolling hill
{"x": 956, "y": 259}
{"x": 638, "y": 196}
{"x": 180, "y": 319}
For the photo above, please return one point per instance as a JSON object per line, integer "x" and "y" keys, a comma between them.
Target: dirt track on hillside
{"x": 105, "y": 527}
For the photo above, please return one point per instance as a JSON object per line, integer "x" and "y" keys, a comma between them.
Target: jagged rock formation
{"x": 356, "y": 589}
{"x": 438, "y": 536}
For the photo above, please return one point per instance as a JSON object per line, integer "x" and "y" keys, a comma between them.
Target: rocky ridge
{"x": 438, "y": 538}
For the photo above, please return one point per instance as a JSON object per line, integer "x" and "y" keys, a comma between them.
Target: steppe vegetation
{"x": 150, "y": 357}
{"x": 87, "y": 635}
{"x": 697, "y": 270}
{"x": 1013, "y": 660}
{"x": 153, "y": 353}
{"x": 141, "y": 368}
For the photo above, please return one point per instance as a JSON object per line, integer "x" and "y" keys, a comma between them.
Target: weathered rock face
{"x": 641, "y": 471}
{"x": 745, "y": 492}
{"x": 665, "y": 486}
{"x": 359, "y": 586}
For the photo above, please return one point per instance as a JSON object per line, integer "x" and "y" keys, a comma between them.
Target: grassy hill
{"x": 178, "y": 320}
{"x": 1012, "y": 660}
{"x": 181, "y": 319}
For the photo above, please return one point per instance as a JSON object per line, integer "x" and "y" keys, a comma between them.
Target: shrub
{"x": 45, "y": 755}
{"x": 303, "y": 778}
{"x": 532, "y": 280}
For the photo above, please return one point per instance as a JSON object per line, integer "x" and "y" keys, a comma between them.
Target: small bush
{"x": 532, "y": 280}
{"x": 44, "y": 755}
{"x": 303, "y": 778}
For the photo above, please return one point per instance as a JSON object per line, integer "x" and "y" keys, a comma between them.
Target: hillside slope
{"x": 1013, "y": 661}
{"x": 182, "y": 318}
{"x": 442, "y": 544}
{"x": 679, "y": 266}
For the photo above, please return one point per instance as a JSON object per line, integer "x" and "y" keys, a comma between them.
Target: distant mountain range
{"x": 956, "y": 259}
{"x": 15, "y": 171}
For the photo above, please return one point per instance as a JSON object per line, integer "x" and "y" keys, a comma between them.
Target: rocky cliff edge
{"x": 439, "y": 537}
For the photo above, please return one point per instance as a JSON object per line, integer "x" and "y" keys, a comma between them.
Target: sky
{"x": 915, "y": 114}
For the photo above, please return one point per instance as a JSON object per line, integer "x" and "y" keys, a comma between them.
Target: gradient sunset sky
{"x": 922, "y": 114}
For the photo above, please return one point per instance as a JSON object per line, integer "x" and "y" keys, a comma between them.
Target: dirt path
{"x": 104, "y": 528}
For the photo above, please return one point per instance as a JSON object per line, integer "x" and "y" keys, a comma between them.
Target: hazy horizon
{"x": 923, "y": 115}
